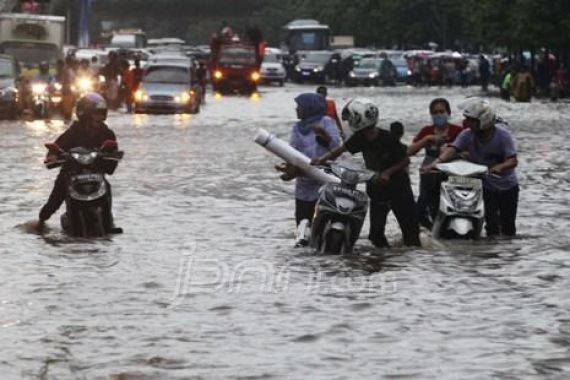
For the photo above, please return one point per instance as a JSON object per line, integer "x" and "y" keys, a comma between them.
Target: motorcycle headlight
{"x": 85, "y": 84}
{"x": 218, "y": 74}
{"x": 57, "y": 86}
{"x": 255, "y": 76}
{"x": 39, "y": 88}
{"x": 101, "y": 79}
{"x": 84, "y": 158}
{"x": 464, "y": 200}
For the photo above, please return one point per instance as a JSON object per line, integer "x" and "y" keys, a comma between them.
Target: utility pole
{"x": 84, "y": 8}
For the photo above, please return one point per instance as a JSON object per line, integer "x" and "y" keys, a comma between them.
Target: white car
{"x": 272, "y": 69}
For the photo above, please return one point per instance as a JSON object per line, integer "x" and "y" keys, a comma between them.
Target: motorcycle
{"x": 340, "y": 211}
{"x": 461, "y": 212}
{"x": 88, "y": 202}
{"x": 40, "y": 100}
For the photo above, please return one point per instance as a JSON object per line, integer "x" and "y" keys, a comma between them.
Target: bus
{"x": 302, "y": 35}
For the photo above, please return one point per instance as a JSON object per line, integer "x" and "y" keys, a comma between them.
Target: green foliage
{"x": 384, "y": 23}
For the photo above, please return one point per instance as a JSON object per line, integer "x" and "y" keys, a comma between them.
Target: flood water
{"x": 205, "y": 282}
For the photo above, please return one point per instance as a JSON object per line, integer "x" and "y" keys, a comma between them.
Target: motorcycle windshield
{"x": 350, "y": 175}
{"x": 462, "y": 168}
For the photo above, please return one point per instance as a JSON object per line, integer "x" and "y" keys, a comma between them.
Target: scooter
{"x": 40, "y": 100}
{"x": 340, "y": 211}
{"x": 461, "y": 212}
{"x": 88, "y": 202}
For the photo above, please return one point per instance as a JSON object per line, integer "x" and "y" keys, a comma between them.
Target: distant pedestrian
{"x": 331, "y": 109}
{"x": 484, "y": 72}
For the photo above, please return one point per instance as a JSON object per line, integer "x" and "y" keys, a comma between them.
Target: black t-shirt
{"x": 380, "y": 154}
{"x": 76, "y": 136}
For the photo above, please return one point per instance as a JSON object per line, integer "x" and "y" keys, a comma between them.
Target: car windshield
{"x": 369, "y": 64}
{"x": 167, "y": 75}
{"x": 31, "y": 53}
{"x": 272, "y": 58}
{"x": 238, "y": 56}
{"x": 319, "y": 58}
{"x": 6, "y": 69}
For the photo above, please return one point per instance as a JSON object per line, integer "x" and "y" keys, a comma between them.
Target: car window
{"x": 272, "y": 58}
{"x": 167, "y": 75}
{"x": 317, "y": 58}
{"x": 6, "y": 69}
{"x": 369, "y": 64}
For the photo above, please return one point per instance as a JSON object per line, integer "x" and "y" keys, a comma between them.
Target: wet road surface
{"x": 204, "y": 283}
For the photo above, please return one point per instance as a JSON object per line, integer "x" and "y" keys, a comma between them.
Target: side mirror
{"x": 53, "y": 148}
{"x": 109, "y": 146}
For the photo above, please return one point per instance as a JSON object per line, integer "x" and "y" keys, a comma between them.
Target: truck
{"x": 32, "y": 38}
{"x": 128, "y": 39}
{"x": 235, "y": 63}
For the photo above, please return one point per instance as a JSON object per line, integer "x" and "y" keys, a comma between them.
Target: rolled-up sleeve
{"x": 462, "y": 141}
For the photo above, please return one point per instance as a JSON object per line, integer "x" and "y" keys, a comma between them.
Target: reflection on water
{"x": 205, "y": 277}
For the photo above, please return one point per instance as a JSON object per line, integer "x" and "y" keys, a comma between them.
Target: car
{"x": 366, "y": 73}
{"x": 167, "y": 88}
{"x": 313, "y": 67}
{"x": 272, "y": 69}
{"x": 169, "y": 57}
{"x": 9, "y": 74}
{"x": 403, "y": 71}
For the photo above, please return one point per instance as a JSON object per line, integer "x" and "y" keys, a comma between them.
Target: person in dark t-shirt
{"x": 383, "y": 153}
{"x": 89, "y": 132}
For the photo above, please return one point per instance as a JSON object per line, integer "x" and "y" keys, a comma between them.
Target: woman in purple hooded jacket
{"x": 313, "y": 135}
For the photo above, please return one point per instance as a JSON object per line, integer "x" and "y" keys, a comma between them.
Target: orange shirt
{"x": 331, "y": 109}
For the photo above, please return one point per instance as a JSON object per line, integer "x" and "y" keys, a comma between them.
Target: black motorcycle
{"x": 88, "y": 198}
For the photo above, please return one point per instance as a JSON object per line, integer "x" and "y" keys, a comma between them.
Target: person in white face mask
{"x": 433, "y": 138}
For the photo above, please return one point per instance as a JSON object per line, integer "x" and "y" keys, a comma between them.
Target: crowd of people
{"x": 482, "y": 139}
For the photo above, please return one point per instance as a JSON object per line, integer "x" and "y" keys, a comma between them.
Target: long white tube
{"x": 291, "y": 155}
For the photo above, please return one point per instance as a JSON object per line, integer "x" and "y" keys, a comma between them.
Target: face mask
{"x": 440, "y": 120}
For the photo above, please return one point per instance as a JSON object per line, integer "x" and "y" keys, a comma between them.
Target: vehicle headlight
{"x": 467, "y": 201}
{"x": 84, "y": 159}
{"x": 317, "y": 69}
{"x": 85, "y": 84}
{"x": 185, "y": 97}
{"x": 373, "y": 75}
{"x": 351, "y": 74}
{"x": 297, "y": 68}
{"x": 255, "y": 76}
{"x": 140, "y": 96}
{"x": 409, "y": 72}
{"x": 39, "y": 88}
{"x": 218, "y": 74}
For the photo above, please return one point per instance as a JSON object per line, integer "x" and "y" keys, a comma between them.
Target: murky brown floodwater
{"x": 205, "y": 283}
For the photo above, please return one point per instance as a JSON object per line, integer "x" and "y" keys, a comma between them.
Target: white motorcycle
{"x": 461, "y": 211}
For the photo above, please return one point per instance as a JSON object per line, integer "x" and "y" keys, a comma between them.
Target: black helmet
{"x": 89, "y": 104}
{"x": 43, "y": 66}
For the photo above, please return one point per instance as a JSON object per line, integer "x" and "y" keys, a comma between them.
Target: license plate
{"x": 306, "y": 74}
{"x": 464, "y": 181}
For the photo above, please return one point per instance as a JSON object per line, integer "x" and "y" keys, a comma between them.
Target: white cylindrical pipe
{"x": 292, "y": 156}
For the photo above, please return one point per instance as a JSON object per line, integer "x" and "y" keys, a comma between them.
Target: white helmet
{"x": 480, "y": 109}
{"x": 361, "y": 113}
